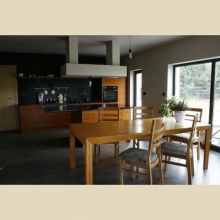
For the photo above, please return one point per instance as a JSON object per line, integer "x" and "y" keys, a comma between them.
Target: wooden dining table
{"x": 90, "y": 134}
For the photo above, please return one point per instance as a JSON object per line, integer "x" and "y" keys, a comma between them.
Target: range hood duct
{"x": 73, "y": 69}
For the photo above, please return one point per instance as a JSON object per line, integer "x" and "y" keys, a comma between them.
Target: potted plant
{"x": 165, "y": 107}
{"x": 178, "y": 106}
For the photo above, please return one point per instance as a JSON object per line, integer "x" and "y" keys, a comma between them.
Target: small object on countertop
{"x": 64, "y": 97}
{"x": 20, "y": 74}
{"x": 60, "y": 98}
{"x": 60, "y": 107}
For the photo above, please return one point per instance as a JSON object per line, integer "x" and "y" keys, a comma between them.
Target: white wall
{"x": 157, "y": 62}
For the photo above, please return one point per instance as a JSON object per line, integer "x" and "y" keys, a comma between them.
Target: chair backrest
{"x": 193, "y": 132}
{"x": 142, "y": 112}
{"x": 156, "y": 137}
{"x": 108, "y": 114}
{"x": 191, "y": 112}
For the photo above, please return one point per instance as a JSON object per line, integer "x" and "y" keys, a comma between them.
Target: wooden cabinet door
{"x": 125, "y": 114}
{"x": 90, "y": 116}
{"x": 8, "y": 98}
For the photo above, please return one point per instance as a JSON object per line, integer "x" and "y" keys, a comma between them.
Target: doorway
{"x": 8, "y": 98}
{"x": 138, "y": 88}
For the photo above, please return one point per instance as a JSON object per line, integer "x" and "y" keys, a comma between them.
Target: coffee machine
{"x": 40, "y": 97}
{"x": 60, "y": 98}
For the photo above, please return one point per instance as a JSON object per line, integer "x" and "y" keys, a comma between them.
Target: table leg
{"x": 207, "y": 148}
{"x": 72, "y": 151}
{"x": 88, "y": 163}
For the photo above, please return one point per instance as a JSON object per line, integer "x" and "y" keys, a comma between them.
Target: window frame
{"x": 212, "y": 87}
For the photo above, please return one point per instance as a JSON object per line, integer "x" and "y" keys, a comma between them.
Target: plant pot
{"x": 179, "y": 116}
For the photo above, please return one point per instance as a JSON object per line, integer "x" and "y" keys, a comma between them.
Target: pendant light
{"x": 130, "y": 53}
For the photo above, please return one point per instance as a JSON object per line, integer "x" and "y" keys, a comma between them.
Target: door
{"x": 8, "y": 98}
{"x": 138, "y": 88}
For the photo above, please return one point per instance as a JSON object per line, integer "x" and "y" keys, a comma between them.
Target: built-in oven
{"x": 110, "y": 93}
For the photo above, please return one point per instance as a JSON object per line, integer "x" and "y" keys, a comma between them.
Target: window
{"x": 199, "y": 84}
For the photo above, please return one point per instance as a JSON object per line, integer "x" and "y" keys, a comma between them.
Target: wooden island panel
{"x": 34, "y": 118}
{"x": 90, "y": 116}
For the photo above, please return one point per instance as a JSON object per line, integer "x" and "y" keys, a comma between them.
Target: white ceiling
{"x": 93, "y": 45}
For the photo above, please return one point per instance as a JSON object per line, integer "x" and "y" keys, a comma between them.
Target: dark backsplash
{"x": 27, "y": 91}
{"x": 47, "y": 64}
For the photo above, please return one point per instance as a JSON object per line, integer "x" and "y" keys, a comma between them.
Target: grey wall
{"x": 156, "y": 62}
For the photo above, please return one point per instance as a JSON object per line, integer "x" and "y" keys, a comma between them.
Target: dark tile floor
{"x": 43, "y": 158}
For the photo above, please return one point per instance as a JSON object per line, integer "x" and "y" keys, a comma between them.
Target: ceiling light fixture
{"x": 130, "y": 53}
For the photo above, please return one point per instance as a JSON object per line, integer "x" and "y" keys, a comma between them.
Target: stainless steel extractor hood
{"x": 73, "y": 69}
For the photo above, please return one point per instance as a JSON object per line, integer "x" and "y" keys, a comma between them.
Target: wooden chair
{"x": 181, "y": 151}
{"x": 146, "y": 159}
{"x": 184, "y": 137}
{"x": 142, "y": 112}
{"x": 108, "y": 114}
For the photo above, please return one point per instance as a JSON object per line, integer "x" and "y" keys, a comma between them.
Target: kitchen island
{"x": 44, "y": 117}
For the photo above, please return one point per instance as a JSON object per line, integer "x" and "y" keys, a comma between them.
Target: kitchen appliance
{"x": 60, "y": 98}
{"x": 110, "y": 93}
{"x": 20, "y": 75}
{"x": 40, "y": 97}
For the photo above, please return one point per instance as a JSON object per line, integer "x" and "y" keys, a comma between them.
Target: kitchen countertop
{"x": 85, "y": 106}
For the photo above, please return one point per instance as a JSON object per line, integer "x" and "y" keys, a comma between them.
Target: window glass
{"x": 216, "y": 114}
{"x": 138, "y": 89}
{"x": 192, "y": 83}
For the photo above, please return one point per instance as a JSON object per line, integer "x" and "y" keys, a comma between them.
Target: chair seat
{"x": 182, "y": 137}
{"x": 137, "y": 155}
{"x": 174, "y": 148}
